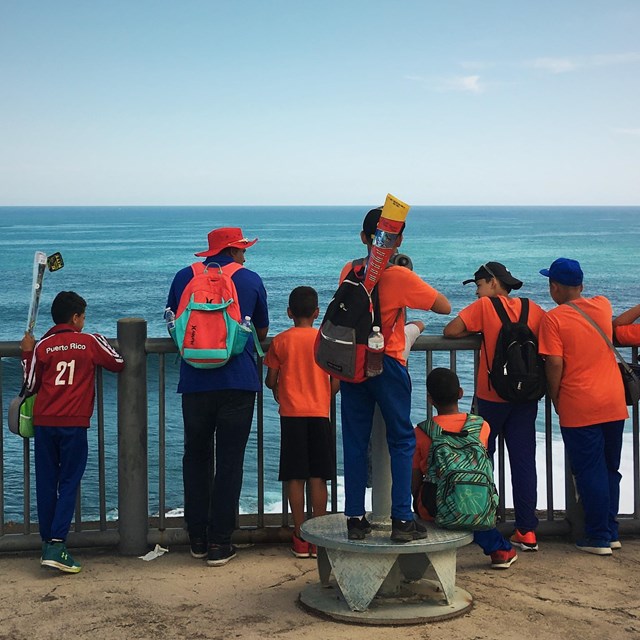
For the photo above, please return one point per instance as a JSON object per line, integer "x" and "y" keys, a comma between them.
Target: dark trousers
{"x": 517, "y": 423}
{"x": 594, "y": 453}
{"x": 216, "y": 430}
{"x": 60, "y": 457}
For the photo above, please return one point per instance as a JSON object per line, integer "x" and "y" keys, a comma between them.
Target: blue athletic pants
{"x": 60, "y": 457}
{"x": 517, "y": 422}
{"x": 594, "y": 453}
{"x": 392, "y": 392}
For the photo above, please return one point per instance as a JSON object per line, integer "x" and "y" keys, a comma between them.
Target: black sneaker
{"x": 407, "y": 530}
{"x": 198, "y": 547}
{"x": 357, "y": 528}
{"x": 219, "y": 554}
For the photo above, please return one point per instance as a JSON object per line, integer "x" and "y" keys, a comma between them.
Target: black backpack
{"x": 517, "y": 371}
{"x": 341, "y": 344}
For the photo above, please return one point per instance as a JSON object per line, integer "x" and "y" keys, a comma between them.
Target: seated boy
{"x": 443, "y": 391}
{"x": 303, "y": 391}
{"x": 61, "y": 367}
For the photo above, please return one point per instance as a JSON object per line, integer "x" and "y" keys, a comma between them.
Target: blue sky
{"x": 190, "y": 102}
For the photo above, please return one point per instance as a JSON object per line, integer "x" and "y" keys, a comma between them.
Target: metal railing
{"x": 141, "y": 513}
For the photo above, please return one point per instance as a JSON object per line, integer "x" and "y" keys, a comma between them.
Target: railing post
{"x": 574, "y": 511}
{"x": 133, "y": 494}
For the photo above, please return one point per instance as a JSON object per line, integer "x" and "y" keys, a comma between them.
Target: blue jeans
{"x": 594, "y": 453}
{"x": 490, "y": 541}
{"x": 517, "y": 423}
{"x": 60, "y": 457}
{"x": 392, "y": 392}
{"x": 216, "y": 429}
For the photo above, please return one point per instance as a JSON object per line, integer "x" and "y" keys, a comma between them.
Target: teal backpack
{"x": 458, "y": 488}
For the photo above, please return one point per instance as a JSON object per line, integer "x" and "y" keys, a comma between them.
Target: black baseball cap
{"x": 370, "y": 223}
{"x": 495, "y": 270}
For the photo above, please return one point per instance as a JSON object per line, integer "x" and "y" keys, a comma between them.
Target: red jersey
{"x": 61, "y": 369}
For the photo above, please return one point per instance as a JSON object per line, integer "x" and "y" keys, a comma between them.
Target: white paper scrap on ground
{"x": 155, "y": 553}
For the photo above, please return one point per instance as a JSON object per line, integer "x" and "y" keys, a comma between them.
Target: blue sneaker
{"x": 55, "y": 555}
{"x": 597, "y": 547}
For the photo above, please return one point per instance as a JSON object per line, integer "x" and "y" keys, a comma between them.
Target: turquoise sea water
{"x": 122, "y": 260}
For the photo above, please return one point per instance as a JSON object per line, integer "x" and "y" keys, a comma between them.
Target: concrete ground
{"x": 558, "y": 592}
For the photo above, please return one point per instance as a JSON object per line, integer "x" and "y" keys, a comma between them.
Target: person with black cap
{"x": 585, "y": 386}
{"x": 217, "y": 407}
{"x": 516, "y": 421}
{"x": 398, "y": 288}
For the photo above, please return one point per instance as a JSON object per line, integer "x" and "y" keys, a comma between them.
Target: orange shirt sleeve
{"x": 628, "y": 335}
{"x": 421, "y": 454}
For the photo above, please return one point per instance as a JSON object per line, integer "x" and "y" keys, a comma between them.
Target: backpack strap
{"x": 524, "y": 310}
{"x": 473, "y": 425}
{"x": 500, "y": 310}
{"x": 506, "y": 321}
{"x": 430, "y": 427}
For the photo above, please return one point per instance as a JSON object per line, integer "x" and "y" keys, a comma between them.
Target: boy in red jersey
{"x": 60, "y": 368}
{"x": 303, "y": 391}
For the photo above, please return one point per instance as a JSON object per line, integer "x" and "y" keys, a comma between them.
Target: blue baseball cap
{"x": 564, "y": 271}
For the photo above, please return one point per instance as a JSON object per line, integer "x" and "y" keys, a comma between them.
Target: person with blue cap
{"x": 585, "y": 386}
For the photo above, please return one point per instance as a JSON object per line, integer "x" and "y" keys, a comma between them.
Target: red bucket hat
{"x": 224, "y": 237}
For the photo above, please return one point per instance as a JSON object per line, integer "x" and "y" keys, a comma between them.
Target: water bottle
{"x": 375, "y": 355}
{"x": 246, "y": 323}
{"x": 170, "y": 318}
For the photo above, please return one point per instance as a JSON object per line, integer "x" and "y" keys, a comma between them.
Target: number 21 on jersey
{"x": 65, "y": 372}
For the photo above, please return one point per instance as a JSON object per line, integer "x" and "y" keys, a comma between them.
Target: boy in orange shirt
{"x": 516, "y": 421}
{"x": 443, "y": 392}
{"x": 303, "y": 391}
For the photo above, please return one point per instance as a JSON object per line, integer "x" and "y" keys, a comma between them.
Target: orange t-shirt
{"x": 398, "y": 288}
{"x": 628, "y": 335}
{"x": 591, "y": 390}
{"x": 481, "y": 317}
{"x": 454, "y": 423}
{"x": 304, "y": 389}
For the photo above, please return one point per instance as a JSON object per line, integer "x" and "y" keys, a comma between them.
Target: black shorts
{"x": 306, "y": 449}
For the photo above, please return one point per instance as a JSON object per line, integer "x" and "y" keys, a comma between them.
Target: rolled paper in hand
{"x": 394, "y": 213}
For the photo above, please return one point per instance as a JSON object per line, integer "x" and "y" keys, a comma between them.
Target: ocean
{"x": 122, "y": 261}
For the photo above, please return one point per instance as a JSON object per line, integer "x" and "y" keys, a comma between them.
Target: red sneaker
{"x": 313, "y": 550}
{"x": 526, "y": 541}
{"x": 299, "y": 547}
{"x": 503, "y": 559}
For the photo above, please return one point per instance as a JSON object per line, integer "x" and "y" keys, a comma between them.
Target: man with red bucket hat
{"x": 217, "y": 407}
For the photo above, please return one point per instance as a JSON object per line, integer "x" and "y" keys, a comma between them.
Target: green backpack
{"x": 458, "y": 488}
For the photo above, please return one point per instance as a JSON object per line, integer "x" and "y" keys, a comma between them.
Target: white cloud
{"x": 565, "y": 65}
{"x": 554, "y": 65}
{"x": 615, "y": 58}
{"x": 627, "y": 132}
{"x": 469, "y": 84}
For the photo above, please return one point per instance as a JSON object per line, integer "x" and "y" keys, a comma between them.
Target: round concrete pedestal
{"x": 418, "y": 602}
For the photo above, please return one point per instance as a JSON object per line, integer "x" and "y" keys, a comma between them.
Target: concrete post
{"x": 381, "y": 471}
{"x": 133, "y": 495}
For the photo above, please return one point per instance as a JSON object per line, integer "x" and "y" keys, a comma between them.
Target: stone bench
{"x": 375, "y": 566}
